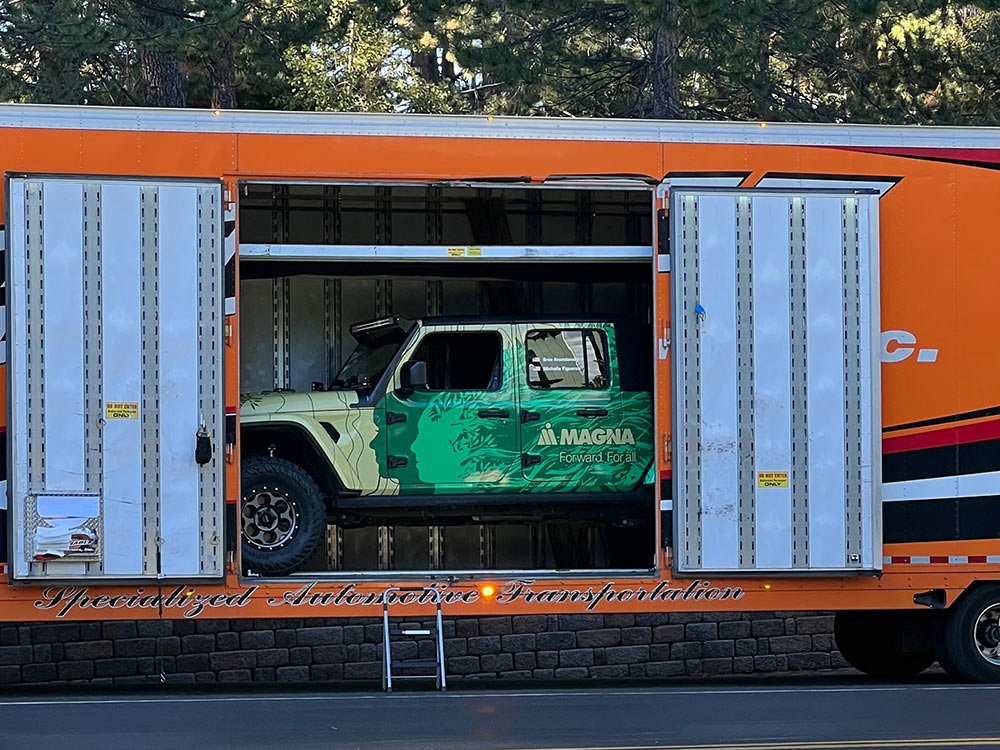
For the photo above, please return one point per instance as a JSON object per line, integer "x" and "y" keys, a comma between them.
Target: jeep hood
{"x": 286, "y": 402}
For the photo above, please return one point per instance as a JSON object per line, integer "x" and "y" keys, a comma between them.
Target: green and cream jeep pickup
{"x": 448, "y": 420}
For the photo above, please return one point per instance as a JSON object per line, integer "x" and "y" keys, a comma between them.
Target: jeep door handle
{"x": 591, "y": 412}
{"x": 528, "y": 416}
{"x": 493, "y": 414}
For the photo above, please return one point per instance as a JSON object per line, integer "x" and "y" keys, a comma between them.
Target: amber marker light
{"x": 489, "y": 118}
{"x": 487, "y": 591}
{"x": 767, "y": 587}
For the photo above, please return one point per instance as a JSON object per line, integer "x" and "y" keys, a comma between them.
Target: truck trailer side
{"x": 820, "y": 429}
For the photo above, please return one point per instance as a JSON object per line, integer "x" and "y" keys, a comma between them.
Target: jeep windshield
{"x": 377, "y": 340}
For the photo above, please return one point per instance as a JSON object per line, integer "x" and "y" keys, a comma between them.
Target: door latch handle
{"x": 528, "y": 416}
{"x": 591, "y": 412}
{"x": 529, "y": 460}
{"x": 202, "y": 447}
{"x": 392, "y": 417}
{"x": 493, "y": 414}
{"x": 396, "y": 462}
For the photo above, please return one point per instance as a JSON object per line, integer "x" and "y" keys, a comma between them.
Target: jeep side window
{"x": 467, "y": 361}
{"x": 576, "y": 358}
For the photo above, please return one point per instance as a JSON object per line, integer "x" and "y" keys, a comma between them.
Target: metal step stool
{"x": 395, "y": 628}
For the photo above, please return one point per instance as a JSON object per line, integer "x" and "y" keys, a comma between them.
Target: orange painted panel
{"x": 119, "y": 153}
{"x": 303, "y": 598}
{"x": 406, "y": 159}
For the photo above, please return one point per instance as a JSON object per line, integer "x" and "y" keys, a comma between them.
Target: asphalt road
{"x": 810, "y": 713}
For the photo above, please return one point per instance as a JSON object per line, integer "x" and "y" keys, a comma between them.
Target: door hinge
{"x": 392, "y": 417}
{"x": 529, "y": 460}
{"x": 396, "y": 462}
{"x": 528, "y": 416}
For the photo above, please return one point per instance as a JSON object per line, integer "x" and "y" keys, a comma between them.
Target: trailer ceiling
{"x": 432, "y": 215}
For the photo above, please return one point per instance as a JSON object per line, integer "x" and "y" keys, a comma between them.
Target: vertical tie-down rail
{"x": 395, "y": 627}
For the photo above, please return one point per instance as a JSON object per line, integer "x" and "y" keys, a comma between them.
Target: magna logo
{"x": 586, "y": 436}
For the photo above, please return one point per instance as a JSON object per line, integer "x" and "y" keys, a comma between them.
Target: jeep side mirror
{"x": 413, "y": 375}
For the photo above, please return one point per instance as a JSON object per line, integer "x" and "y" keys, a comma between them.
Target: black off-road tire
{"x": 278, "y": 493}
{"x": 970, "y": 639}
{"x": 870, "y": 643}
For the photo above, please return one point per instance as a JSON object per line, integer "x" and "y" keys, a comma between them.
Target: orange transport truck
{"x": 265, "y": 364}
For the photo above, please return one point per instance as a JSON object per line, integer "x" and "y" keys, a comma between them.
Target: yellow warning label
{"x": 121, "y": 410}
{"x": 772, "y": 478}
{"x": 465, "y": 252}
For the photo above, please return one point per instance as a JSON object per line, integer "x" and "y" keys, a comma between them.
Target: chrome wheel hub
{"x": 988, "y": 634}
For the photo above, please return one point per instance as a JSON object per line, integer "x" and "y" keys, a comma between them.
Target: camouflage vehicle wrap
{"x": 459, "y": 418}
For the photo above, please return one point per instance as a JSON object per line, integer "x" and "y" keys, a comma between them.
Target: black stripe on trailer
{"x": 941, "y": 519}
{"x": 943, "y": 461}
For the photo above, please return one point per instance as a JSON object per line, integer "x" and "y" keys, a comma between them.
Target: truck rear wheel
{"x": 282, "y": 516}
{"x": 872, "y": 643}
{"x": 971, "y": 636}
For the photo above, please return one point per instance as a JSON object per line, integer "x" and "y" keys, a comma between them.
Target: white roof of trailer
{"x": 479, "y": 126}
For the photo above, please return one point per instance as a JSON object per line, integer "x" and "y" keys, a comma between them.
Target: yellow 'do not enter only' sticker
{"x": 772, "y": 478}
{"x": 121, "y": 410}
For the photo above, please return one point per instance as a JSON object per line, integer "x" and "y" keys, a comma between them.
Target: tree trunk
{"x": 762, "y": 78}
{"x": 666, "y": 81}
{"x": 223, "y": 70}
{"x": 425, "y": 63}
{"x": 163, "y": 82}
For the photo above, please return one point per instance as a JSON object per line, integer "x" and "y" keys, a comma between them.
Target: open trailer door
{"x": 115, "y": 378}
{"x": 775, "y": 373}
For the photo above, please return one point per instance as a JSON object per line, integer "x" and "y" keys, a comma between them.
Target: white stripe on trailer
{"x": 941, "y": 559}
{"x": 936, "y": 488}
{"x": 229, "y": 242}
{"x": 137, "y": 119}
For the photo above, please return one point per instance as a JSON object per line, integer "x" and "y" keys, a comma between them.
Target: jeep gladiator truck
{"x": 453, "y": 420}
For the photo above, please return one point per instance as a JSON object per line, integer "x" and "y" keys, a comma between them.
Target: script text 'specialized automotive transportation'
{"x": 298, "y": 365}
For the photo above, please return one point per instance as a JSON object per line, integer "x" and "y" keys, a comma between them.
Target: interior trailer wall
{"x": 295, "y": 330}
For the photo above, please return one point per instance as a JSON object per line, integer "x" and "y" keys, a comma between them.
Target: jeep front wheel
{"x": 282, "y": 516}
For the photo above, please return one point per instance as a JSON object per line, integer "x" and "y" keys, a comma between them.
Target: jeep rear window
{"x": 568, "y": 358}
